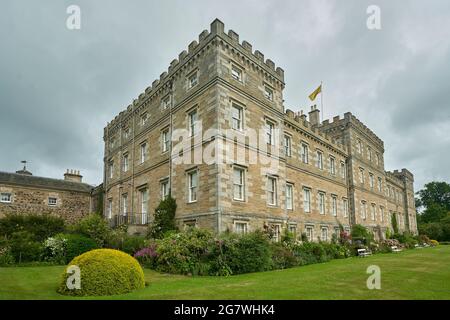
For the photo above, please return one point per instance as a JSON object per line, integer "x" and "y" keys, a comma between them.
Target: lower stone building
{"x": 23, "y": 193}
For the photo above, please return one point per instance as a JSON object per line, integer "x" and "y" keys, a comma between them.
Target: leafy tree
{"x": 164, "y": 218}
{"x": 434, "y": 213}
{"x": 435, "y": 193}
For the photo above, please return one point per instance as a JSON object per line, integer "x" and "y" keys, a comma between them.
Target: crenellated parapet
{"x": 299, "y": 121}
{"x": 355, "y": 122}
{"x": 185, "y": 60}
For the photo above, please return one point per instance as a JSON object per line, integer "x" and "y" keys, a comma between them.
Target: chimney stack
{"x": 314, "y": 116}
{"x": 73, "y": 175}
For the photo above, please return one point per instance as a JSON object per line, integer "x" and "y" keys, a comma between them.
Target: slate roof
{"x": 42, "y": 182}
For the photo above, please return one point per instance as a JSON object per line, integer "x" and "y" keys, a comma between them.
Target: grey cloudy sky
{"x": 58, "y": 88}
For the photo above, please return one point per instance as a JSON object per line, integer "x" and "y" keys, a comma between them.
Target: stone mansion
{"x": 220, "y": 95}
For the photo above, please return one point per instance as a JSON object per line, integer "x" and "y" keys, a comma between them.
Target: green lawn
{"x": 412, "y": 274}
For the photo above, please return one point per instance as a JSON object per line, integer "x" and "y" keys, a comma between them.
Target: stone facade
{"x": 23, "y": 193}
{"x": 307, "y": 177}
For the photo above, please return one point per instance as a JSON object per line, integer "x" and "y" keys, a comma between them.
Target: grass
{"x": 412, "y": 274}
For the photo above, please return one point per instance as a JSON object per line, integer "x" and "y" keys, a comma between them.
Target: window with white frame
{"x": 361, "y": 175}
{"x": 287, "y": 146}
{"x": 144, "y": 205}
{"x": 381, "y": 213}
{"x": 268, "y": 93}
{"x": 321, "y": 203}
{"x": 343, "y": 170}
{"x": 345, "y": 207}
{"x": 289, "y": 196}
{"x": 307, "y": 199}
{"x": 144, "y": 150}
{"x": 304, "y": 153}
{"x": 320, "y": 160}
{"x": 380, "y": 184}
{"x": 165, "y": 140}
{"x": 310, "y": 233}
{"x": 270, "y": 132}
{"x": 238, "y": 183}
{"x": 144, "y": 118}
{"x": 5, "y": 197}
{"x": 124, "y": 204}
{"x": 272, "y": 191}
{"x": 52, "y": 201}
{"x": 276, "y": 232}
{"x": 111, "y": 169}
{"x": 371, "y": 181}
{"x": 363, "y": 210}
{"x": 377, "y": 159}
{"x": 334, "y": 205}
{"x": 193, "y": 80}
{"x": 332, "y": 166}
{"x": 193, "y": 117}
{"x": 192, "y": 185}
{"x": 110, "y": 208}
{"x": 373, "y": 211}
{"x": 369, "y": 153}
{"x": 166, "y": 102}
{"x": 324, "y": 234}
{"x": 236, "y": 73}
{"x": 125, "y": 162}
{"x": 237, "y": 117}
{"x": 240, "y": 227}
{"x": 164, "y": 189}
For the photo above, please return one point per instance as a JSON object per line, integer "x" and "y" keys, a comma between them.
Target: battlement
{"x": 300, "y": 120}
{"x": 217, "y": 29}
{"x": 232, "y": 37}
{"x": 402, "y": 175}
{"x": 350, "y": 118}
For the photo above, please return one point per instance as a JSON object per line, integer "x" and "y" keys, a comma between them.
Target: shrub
{"x": 406, "y": 239}
{"x": 24, "y": 247}
{"x": 120, "y": 240}
{"x": 39, "y": 226}
{"x": 283, "y": 257}
{"x": 434, "y": 243}
{"x": 361, "y": 233}
{"x": 147, "y": 256}
{"x": 246, "y": 253}
{"x": 94, "y": 227}
{"x": 164, "y": 218}
{"x": 64, "y": 247}
{"x": 55, "y": 249}
{"x": 6, "y": 258}
{"x": 105, "y": 272}
{"x": 184, "y": 252}
{"x": 77, "y": 244}
{"x": 310, "y": 252}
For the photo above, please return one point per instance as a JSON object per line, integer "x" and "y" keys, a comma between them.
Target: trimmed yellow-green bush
{"x": 104, "y": 272}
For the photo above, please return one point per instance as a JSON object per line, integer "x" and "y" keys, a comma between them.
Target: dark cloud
{"x": 58, "y": 88}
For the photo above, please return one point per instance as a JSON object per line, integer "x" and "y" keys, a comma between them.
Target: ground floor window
{"x": 52, "y": 201}
{"x": 276, "y": 232}
{"x": 310, "y": 233}
{"x": 324, "y": 234}
{"x": 240, "y": 227}
{"x": 5, "y": 197}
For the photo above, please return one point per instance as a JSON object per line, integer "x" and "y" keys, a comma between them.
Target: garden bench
{"x": 395, "y": 249}
{"x": 363, "y": 252}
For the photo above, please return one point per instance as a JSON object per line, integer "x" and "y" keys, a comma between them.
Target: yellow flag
{"x": 313, "y": 95}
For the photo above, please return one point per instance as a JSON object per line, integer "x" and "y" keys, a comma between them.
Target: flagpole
{"x": 321, "y": 99}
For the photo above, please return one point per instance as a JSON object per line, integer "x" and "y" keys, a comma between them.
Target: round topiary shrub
{"x": 104, "y": 272}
